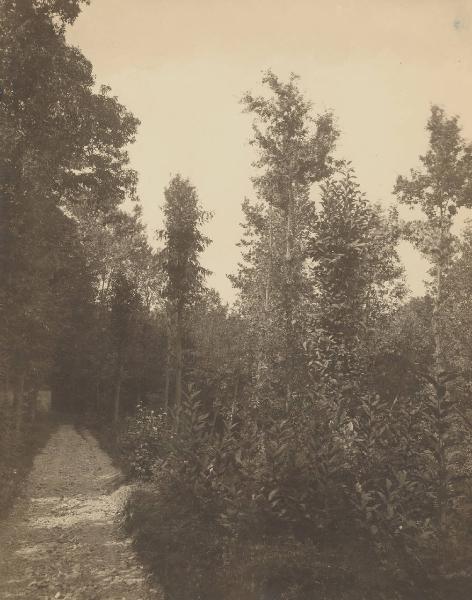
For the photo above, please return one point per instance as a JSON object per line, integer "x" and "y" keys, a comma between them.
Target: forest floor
{"x": 62, "y": 539}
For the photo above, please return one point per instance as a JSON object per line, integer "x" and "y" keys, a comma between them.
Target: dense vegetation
{"x": 313, "y": 440}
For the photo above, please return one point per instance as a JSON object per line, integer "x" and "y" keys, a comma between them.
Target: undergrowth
{"x": 291, "y": 510}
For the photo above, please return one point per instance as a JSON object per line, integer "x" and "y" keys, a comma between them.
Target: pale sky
{"x": 181, "y": 67}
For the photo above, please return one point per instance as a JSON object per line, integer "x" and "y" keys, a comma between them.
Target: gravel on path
{"x": 62, "y": 539}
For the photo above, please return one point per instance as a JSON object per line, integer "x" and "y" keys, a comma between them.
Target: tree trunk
{"x": 34, "y": 404}
{"x": 142, "y": 375}
{"x": 441, "y": 397}
{"x": 289, "y": 292}
{"x": 116, "y": 400}
{"x": 178, "y": 364}
{"x": 270, "y": 266}
{"x": 167, "y": 383}
{"x": 235, "y": 397}
{"x": 261, "y": 374}
{"x": 20, "y": 394}
{"x": 97, "y": 395}
{"x": 167, "y": 370}
{"x": 9, "y": 393}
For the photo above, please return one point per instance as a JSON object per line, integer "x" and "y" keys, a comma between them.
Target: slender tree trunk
{"x": 9, "y": 393}
{"x": 441, "y": 395}
{"x": 262, "y": 340}
{"x": 438, "y": 353}
{"x": 289, "y": 292}
{"x": 167, "y": 382}
{"x": 167, "y": 367}
{"x": 270, "y": 265}
{"x": 178, "y": 364}
{"x": 116, "y": 400}
{"x": 20, "y": 394}
{"x": 437, "y": 307}
{"x": 97, "y": 395}
{"x": 34, "y": 404}
{"x": 235, "y": 398}
{"x": 142, "y": 377}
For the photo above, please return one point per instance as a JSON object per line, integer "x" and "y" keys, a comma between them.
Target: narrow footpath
{"x": 63, "y": 540}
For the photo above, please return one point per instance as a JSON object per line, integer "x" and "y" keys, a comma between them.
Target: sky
{"x": 182, "y": 66}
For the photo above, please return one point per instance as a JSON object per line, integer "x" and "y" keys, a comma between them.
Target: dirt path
{"x": 62, "y": 540}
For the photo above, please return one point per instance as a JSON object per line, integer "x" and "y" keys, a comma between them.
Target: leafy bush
{"x": 341, "y": 505}
{"x": 141, "y": 440}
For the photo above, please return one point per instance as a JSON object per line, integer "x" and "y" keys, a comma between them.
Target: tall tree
{"x": 294, "y": 152}
{"x": 183, "y": 244}
{"x": 439, "y": 188}
{"x": 259, "y": 282}
{"x": 357, "y": 284}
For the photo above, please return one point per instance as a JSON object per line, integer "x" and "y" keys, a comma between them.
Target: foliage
{"x": 440, "y": 189}
{"x": 183, "y": 242}
{"x": 356, "y": 270}
{"x": 142, "y": 441}
{"x": 63, "y": 156}
{"x": 365, "y": 461}
{"x": 294, "y": 151}
{"x": 184, "y": 276}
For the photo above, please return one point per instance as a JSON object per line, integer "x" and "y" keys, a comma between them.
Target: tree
{"x": 355, "y": 267}
{"x": 183, "y": 243}
{"x": 439, "y": 189}
{"x": 294, "y": 152}
{"x": 259, "y": 282}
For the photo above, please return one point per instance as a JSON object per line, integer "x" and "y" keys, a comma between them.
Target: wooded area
{"x": 311, "y": 441}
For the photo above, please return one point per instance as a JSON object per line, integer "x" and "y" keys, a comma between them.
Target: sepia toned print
{"x": 235, "y": 282}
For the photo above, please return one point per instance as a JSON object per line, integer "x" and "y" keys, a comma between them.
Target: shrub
{"x": 142, "y": 440}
